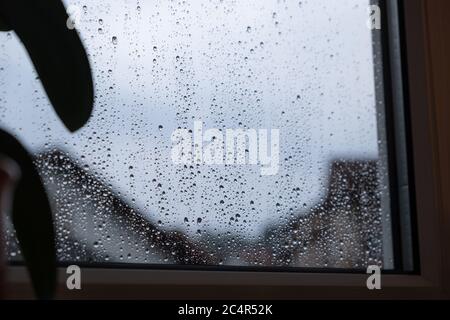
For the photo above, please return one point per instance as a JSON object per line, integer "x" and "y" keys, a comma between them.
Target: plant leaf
{"x": 4, "y": 26}
{"x": 32, "y": 220}
{"x": 57, "y": 54}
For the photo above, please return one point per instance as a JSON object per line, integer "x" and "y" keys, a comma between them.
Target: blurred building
{"x": 95, "y": 224}
{"x": 344, "y": 231}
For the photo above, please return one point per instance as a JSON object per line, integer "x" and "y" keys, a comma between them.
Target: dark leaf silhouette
{"x": 32, "y": 219}
{"x": 4, "y": 26}
{"x": 57, "y": 54}
{"x": 63, "y": 68}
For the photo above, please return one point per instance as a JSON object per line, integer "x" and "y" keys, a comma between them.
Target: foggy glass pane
{"x": 305, "y": 68}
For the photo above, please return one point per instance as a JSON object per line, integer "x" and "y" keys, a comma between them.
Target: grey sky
{"x": 304, "y": 67}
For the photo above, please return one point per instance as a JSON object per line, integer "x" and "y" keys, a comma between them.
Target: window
{"x": 302, "y": 80}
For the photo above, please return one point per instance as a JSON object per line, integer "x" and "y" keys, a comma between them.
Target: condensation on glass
{"x": 307, "y": 68}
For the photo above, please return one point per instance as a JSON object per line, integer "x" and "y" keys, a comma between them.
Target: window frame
{"x": 427, "y": 155}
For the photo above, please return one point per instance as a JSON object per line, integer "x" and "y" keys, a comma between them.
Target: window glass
{"x": 285, "y": 93}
